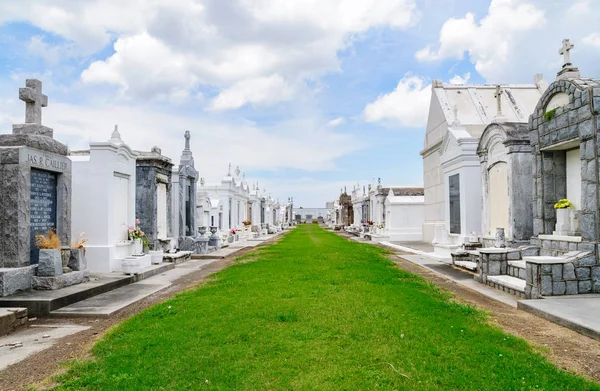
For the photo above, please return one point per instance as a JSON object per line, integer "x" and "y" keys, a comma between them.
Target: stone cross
{"x": 229, "y": 170}
{"x": 456, "y": 123}
{"x": 187, "y": 140}
{"x": 34, "y": 101}
{"x": 564, "y": 51}
{"x": 498, "y": 97}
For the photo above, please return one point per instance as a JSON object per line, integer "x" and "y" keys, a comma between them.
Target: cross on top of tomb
{"x": 456, "y": 123}
{"x": 237, "y": 171}
{"x": 498, "y": 96}
{"x": 34, "y": 101}
{"x": 229, "y": 170}
{"x": 187, "y": 140}
{"x": 565, "y": 51}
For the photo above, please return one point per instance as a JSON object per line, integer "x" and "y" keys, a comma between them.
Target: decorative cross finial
{"x": 456, "y": 122}
{"x": 115, "y": 134}
{"x": 498, "y": 97}
{"x": 564, "y": 51}
{"x": 187, "y": 140}
{"x": 237, "y": 171}
{"x": 229, "y": 170}
{"x": 34, "y": 101}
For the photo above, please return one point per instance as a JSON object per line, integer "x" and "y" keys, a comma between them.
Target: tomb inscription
{"x": 43, "y": 202}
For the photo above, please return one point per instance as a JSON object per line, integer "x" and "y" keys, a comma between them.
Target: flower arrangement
{"x": 50, "y": 241}
{"x": 135, "y": 232}
{"x": 247, "y": 223}
{"x": 232, "y": 231}
{"x": 369, "y": 222}
{"x": 80, "y": 243}
{"x": 380, "y": 226}
{"x": 563, "y": 204}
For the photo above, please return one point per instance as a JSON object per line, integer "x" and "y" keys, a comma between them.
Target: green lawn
{"x": 314, "y": 312}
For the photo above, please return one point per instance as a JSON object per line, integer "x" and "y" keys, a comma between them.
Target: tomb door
{"x": 574, "y": 178}
{"x": 161, "y": 210}
{"x": 189, "y": 196}
{"x": 454, "y": 203}
{"x": 120, "y": 208}
{"x": 498, "y": 197}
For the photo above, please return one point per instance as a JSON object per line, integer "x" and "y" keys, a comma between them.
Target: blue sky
{"x": 306, "y": 97}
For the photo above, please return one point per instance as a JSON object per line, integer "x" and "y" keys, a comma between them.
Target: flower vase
{"x": 563, "y": 222}
{"x": 137, "y": 247}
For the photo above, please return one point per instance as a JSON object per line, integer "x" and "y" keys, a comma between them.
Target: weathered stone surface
{"x": 62, "y": 281}
{"x": 42, "y": 143}
{"x": 546, "y": 285}
{"x": 13, "y": 280}
{"x": 596, "y": 273}
{"x": 559, "y": 288}
{"x": 557, "y": 272}
{"x": 77, "y": 260}
{"x": 50, "y": 263}
{"x": 571, "y": 288}
{"x": 582, "y": 272}
{"x": 585, "y": 286}
{"x": 568, "y": 271}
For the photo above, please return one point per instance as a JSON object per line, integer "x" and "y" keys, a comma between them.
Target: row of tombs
{"x": 511, "y": 185}
{"x": 66, "y": 214}
{"x": 530, "y": 184}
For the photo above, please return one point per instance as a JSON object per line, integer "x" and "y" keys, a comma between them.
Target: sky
{"x": 306, "y": 97}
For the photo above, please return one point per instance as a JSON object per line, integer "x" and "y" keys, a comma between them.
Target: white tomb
{"x": 103, "y": 202}
{"x": 404, "y": 215}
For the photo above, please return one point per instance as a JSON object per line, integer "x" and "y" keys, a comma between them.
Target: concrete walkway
{"x": 580, "y": 312}
{"x": 460, "y": 277}
{"x": 108, "y": 303}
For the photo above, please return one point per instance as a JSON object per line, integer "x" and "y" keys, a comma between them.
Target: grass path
{"x": 314, "y": 312}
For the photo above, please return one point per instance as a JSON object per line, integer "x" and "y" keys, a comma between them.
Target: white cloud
{"x": 489, "y": 41}
{"x": 260, "y": 91}
{"x": 164, "y": 47}
{"x": 519, "y": 38}
{"x": 464, "y": 79}
{"x": 336, "y": 122}
{"x": 592, "y": 40}
{"x": 407, "y": 105}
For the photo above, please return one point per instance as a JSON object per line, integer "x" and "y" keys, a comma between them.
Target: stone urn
{"x": 156, "y": 257}
{"x": 230, "y": 239}
{"x": 213, "y": 230}
{"x": 138, "y": 247}
{"x": 563, "y": 221}
{"x": 50, "y": 263}
{"x": 77, "y": 260}
{"x": 500, "y": 241}
{"x": 202, "y": 231}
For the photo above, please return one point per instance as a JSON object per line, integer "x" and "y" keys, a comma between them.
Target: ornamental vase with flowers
{"x": 563, "y": 217}
{"x": 139, "y": 238}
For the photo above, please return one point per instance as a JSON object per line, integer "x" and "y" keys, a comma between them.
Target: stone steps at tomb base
{"x": 40, "y": 303}
{"x": 516, "y": 269}
{"x": 509, "y": 284}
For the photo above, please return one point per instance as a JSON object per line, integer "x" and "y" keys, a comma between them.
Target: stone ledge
{"x": 510, "y": 282}
{"x": 13, "y": 280}
{"x": 11, "y": 319}
{"x": 59, "y": 282}
{"x": 543, "y": 260}
{"x": 572, "y": 239}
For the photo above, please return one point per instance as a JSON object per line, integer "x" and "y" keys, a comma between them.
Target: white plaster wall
{"x": 404, "y": 218}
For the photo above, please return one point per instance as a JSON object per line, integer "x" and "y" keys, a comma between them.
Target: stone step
{"x": 40, "y": 303}
{"x": 513, "y": 285}
{"x": 106, "y": 304}
{"x": 471, "y": 266}
{"x": 11, "y": 319}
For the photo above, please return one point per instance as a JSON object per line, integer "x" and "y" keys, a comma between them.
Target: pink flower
{"x": 137, "y": 221}
{"x": 142, "y": 233}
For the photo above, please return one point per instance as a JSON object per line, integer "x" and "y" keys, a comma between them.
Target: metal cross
{"x": 34, "y": 99}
